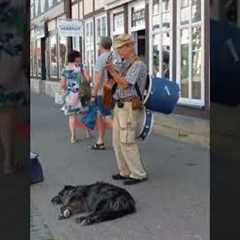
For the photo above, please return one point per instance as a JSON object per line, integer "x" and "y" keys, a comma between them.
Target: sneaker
{"x": 119, "y": 177}
{"x": 132, "y": 181}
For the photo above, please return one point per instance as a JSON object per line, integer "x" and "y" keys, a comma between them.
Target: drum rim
{"x": 149, "y": 90}
{"x": 144, "y": 121}
{"x": 151, "y": 125}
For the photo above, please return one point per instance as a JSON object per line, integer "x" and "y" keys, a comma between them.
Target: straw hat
{"x": 122, "y": 40}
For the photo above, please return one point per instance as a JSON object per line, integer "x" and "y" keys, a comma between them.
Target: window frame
{"x": 189, "y": 100}
{"x": 161, "y": 32}
{"x": 112, "y": 13}
{"x": 100, "y": 17}
{"x": 90, "y": 44}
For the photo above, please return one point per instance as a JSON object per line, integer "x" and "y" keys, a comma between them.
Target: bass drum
{"x": 145, "y": 124}
{"x": 161, "y": 95}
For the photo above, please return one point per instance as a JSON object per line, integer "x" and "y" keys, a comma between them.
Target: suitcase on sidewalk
{"x": 35, "y": 169}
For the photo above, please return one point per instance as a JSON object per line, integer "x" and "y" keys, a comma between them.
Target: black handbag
{"x": 35, "y": 169}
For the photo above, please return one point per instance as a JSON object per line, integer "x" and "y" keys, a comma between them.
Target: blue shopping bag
{"x": 89, "y": 119}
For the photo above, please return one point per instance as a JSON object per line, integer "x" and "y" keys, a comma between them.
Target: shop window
{"x": 53, "y": 57}
{"x": 75, "y": 15}
{"x": 89, "y": 46}
{"x": 161, "y": 39}
{"x": 190, "y": 51}
{"x": 118, "y": 23}
{"x": 38, "y": 58}
{"x": 50, "y": 3}
{"x": 32, "y": 59}
{"x": 42, "y": 5}
{"x": 62, "y": 53}
{"x": 101, "y": 29}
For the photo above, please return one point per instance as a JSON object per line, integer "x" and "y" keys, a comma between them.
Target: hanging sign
{"x": 38, "y": 31}
{"x": 69, "y": 28}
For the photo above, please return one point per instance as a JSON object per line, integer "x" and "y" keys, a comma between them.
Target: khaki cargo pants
{"x": 124, "y": 141}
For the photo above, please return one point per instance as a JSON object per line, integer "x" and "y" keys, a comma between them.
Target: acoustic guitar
{"x": 110, "y": 85}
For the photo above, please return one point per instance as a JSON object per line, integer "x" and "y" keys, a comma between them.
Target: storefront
{"x": 177, "y": 32}
{"x": 170, "y": 37}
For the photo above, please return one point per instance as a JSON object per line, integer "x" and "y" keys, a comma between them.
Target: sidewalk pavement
{"x": 172, "y": 205}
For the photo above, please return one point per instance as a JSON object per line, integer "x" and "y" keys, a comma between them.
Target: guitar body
{"x": 108, "y": 94}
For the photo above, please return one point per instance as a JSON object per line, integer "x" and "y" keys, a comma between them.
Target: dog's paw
{"x": 83, "y": 221}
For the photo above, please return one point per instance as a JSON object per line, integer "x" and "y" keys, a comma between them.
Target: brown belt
{"x": 127, "y": 99}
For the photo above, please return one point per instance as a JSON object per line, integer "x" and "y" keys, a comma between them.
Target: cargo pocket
{"x": 127, "y": 125}
{"x": 127, "y": 135}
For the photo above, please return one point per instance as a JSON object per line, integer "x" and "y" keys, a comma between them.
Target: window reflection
{"x": 196, "y": 62}
{"x": 185, "y": 11}
{"x": 165, "y": 54}
{"x": 161, "y": 19}
{"x": 53, "y": 57}
{"x": 62, "y": 52}
{"x": 156, "y": 55}
{"x": 38, "y": 58}
{"x": 166, "y": 13}
{"x": 196, "y": 10}
{"x": 184, "y": 62}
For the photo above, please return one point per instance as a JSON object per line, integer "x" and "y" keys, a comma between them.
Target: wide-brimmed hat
{"x": 122, "y": 40}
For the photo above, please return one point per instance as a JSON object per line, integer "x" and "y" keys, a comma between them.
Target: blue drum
{"x": 162, "y": 95}
{"x": 145, "y": 124}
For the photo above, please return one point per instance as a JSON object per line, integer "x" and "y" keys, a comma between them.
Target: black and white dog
{"x": 102, "y": 202}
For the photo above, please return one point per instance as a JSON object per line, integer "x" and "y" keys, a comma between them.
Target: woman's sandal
{"x": 73, "y": 140}
{"x": 98, "y": 146}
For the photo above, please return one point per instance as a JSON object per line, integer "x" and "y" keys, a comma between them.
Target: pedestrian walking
{"x": 128, "y": 107}
{"x": 72, "y": 76}
{"x": 101, "y": 76}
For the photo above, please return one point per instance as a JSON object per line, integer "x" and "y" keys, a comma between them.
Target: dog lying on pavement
{"x": 102, "y": 202}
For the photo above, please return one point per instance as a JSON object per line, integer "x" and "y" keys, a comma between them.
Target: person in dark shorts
{"x": 104, "y": 114}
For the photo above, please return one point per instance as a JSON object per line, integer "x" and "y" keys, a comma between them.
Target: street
{"x": 172, "y": 205}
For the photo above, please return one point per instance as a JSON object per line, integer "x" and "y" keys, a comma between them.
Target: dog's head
{"x": 63, "y": 194}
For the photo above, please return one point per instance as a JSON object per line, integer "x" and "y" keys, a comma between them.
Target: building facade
{"x": 170, "y": 37}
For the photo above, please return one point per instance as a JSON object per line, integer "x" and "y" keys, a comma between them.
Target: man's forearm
{"x": 118, "y": 79}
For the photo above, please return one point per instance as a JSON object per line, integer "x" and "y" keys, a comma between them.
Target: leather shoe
{"x": 132, "y": 181}
{"x": 119, "y": 177}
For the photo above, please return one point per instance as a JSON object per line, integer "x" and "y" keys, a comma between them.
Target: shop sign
{"x": 69, "y": 28}
{"x": 39, "y": 31}
{"x": 138, "y": 17}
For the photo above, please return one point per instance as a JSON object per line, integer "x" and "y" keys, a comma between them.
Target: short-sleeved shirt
{"x": 99, "y": 68}
{"x": 137, "y": 73}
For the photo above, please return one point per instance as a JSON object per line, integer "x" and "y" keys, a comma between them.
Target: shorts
{"x": 103, "y": 111}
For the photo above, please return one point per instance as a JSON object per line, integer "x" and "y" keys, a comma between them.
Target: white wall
{"x": 88, "y": 6}
{"x": 99, "y": 4}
